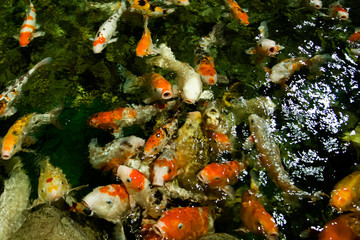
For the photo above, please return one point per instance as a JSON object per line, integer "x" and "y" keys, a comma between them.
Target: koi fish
{"x": 27, "y": 32}
{"x": 148, "y": 233}
{"x": 164, "y": 168}
{"x": 159, "y": 87}
{"x": 185, "y": 223}
{"x": 12, "y": 93}
{"x": 282, "y": 71}
{"x": 237, "y": 12}
{"x": 355, "y": 37}
{"x": 145, "y": 45}
{"x": 219, "y": 142}
{"x": 139, "y": 188}
{"x": 255, "y": 218}
{"x": 204, "y": 62}
{"x": 106, "y": 31}
{"x": 159, "y": 139}
{"x": 269, "y": 155}
{"x": 264, "y": 47}
{"x": 317, "y": 4}
{"x": 118, "y": 118}
{"x": 115, "y": 153}
{"x": 344, "y": 227}
{"x": 110, "y": 202}
{"x": 346, "y": 195}
{"x": 21, "y": 129}
{"x": 188, "y": 79}
{"x": 221, "y": 175}
{"x": 338, "y": 12}
{"x": 354, "y": 42}
{"x": 178, "y": 2}
{"x": 53, "y": 184}
{"x": 212, "y": 117}
{"x": 144, "y": 7}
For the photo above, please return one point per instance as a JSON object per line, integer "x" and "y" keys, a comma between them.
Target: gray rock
{"x": 51, "y": 223}
{"x": 218, "y": 236}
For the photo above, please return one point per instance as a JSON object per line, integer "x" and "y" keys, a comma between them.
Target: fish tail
{"x": 43, "y": 62}
{"x": 315, "y": 62}
{"x": 216, "y": 35}
{"x": 263, "y": 29}
{"x": 122, "y": 7}
{"x": 54, "y": 115}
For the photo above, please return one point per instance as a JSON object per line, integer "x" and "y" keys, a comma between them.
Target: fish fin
{"x": 35, "y": 203}
{"x": 207, "y": 95}
{"x": 29, "y": 140}
{"x": 132, "y": 201}
{"x": 268, "y": 70}
{"x": 38, "y": 34}
{"x": 148, "y": 100}
{"x": 112, "y": 40}
{"x": 263, "y": 29}
{"x": 54, "y": 114}
{"x": 11, "y": 111}
{"x": 16, "y": 36}
{"x": 91, "y": 39}
{"x": 229, "y": 190}
{"x": 37, "y": 26}
{"x": 251, "y": 50}
{"x": 222, "y": 79}
{"x": 242, "y": 229}
{"x": 118, "y": 232}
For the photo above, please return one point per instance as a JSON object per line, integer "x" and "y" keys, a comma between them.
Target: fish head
{"x": 133, "y": 180}
{"x": 267, "y": 47}
{"x": 317, "y": 4}
{"x": 10, "y": 146}
{"x": 25, "y": 38}
{"x": 280, "y": 71}
{"x": 213, "y": 175}
{"x": 160, "y": 87}
{"x": 266, "y": 224}
{"x": 163, "y": 170}
{"x": 212, "y": 116}
{"x": 342, "y": 15}
{"x": 155, "y": 141}
{"x": 341, "y": 199}
{"x": 99, "y": 43}
{"x": 206, "y": 69}
{"x": 220, "y": 141}
{"x": 181, "y": 2}
{"x": 52, "y": 187}
{"x": 169, "y": 226}
{"x": 109, "y": 202}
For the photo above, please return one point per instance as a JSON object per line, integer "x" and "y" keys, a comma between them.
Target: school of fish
{"x": 175, "y": 177}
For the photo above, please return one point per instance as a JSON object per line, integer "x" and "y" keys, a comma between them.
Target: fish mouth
{"x": 189, "y": 101}
{"x": 272, "y": 236}
{"x": 317, "y": 6}
{"x": 167, "y": 95}
{"x": 202, "y": 178}
{"x": 159, "y": 231}
{"x": 5, "y": 156}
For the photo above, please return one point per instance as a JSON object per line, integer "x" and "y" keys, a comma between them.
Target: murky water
{"x": 308, "y": 124}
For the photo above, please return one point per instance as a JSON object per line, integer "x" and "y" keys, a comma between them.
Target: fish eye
{"x": 180, "y": 226}
{"x": 217, "y": 178}
{"x": 260, "y": 45}
{"x": 128, "y": 180}
{"x": 169, "y": 170}
{"x": 109, "y": 202}
{"x": 158, "y": 135}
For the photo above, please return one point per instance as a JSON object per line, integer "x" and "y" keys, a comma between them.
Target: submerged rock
{"x": 51, "y": 223}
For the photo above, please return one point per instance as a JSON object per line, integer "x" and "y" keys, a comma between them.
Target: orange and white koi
{"x": 144, "y": 7}
{"x": 221, "y": 175}
{"x": 344, "y": 227}
{"x": 118, "y": 118}
{"x": 338, "y": 12}
{"x": 12, "y": 92}
{"x": 204, "y": 62}
{"x": 53, "y": 184}
{"x": 269, "y": 155}
{"x": 159, "y": 139}
{"x": 178, "y": 2}
{"x": 255, "y": 218}
{"x": 115, "y": 153}
{"x": 219, "y": 142}
{"x": 282, "y": 71}
{"x": 187, "y": 78}
{"x": 139, "y": 188}
{"x": 110, "y": 202}
{"x": 159, "y": 87}
{"x": 164, "y": 168}
{"x": 237, "y": 12}
{"x": 354, "y": 42}
{"x": 145, "y": 45}
{"x": 17, "y": 133}
{"x": 265, "y": 47}
{"x": 346, "y": 194}
{"x": 185, "y": 223}
{"x": 317, "y": 4}
{"x": 106, "y": 31}
{"x": 28, "y": 29}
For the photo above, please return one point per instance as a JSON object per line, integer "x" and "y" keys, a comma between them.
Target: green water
{"x": 310, "y": 117}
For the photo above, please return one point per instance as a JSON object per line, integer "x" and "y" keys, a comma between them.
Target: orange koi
{"x": 219, "y": 142}
{"x": 160, "y": 138}
{"x": 106, "y": 31}
{"x": 355, "y": 37}
{"x": 237, "y": 12}
{"x": 338, "y": 12}
{"x": 145, "y": 45}
{"x": 282, "y": 71}
{"x": 255, "y": 218}
{"x": 27, "y": 32}
{"x": 220, "y": 175}
{"x": 144, "y": 7}
{"x": 344, "y": 227}
{"x": 110, "y": 202}
{"x": 12, "y": 92}
{"x": 164, "y": 168}
{"x": 185, "y": 223}
{"x": 122, "y": 117}
{"x": 346, "y": 193}
{"x": 139, "y": 188}
{"x": 17, "y": 133}
{"x": 148, "y": 233}
{"x": 115, "y": 153}
{"x": 159, "y": 87}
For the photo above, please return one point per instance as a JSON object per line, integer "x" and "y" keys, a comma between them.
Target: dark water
{"x": 309, "y": 122}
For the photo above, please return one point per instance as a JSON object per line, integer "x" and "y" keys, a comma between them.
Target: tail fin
{"x": 216, "y": 35}
{"x": 263, "y": 29}
{"x": 43, "y": 62}
{"x": 315, "y": 62}
{"x": 54, "y": 115}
